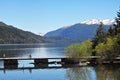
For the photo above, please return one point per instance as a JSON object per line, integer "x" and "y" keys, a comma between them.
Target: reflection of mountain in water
{"x": 36, "y": 50}
{"x": 14, "y": 52}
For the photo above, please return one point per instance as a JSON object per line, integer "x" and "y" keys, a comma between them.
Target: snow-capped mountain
{"x": 95, "y": 21}
{"x": 81, "y": 31}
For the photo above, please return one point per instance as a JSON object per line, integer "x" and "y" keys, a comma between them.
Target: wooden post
{"x": 30, "y": 56}
{"x": 3, "y": 55}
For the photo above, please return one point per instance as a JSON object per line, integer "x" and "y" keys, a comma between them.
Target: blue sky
{"x": 41, "y": 16}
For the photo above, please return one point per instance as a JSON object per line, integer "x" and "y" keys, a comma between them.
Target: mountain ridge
{"x": 81, "y": 31}
{"x": 10, "y": 34}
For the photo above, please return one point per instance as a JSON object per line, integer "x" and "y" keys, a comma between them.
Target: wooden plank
{"x": 31, "y": 58}
{"x": 89, "y": 57}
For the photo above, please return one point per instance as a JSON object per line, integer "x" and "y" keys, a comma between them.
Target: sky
{"x": 42, "y": 16}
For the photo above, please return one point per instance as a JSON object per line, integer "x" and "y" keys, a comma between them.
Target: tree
{"x": 73, "y": 50}
{"x": 108, "y": 50}
{"x": 118, "y": 43}
{"x": 79, "y": 50}
{"x": 117, "y": 24}
{"x": 100, "y": 35}
{"x": 117, "y": 31}
{"x": 111, "y": 32}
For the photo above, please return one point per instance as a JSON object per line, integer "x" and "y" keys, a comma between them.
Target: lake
{"x": 108, "y": 72}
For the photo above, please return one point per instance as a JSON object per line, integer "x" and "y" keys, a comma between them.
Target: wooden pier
{"x": 13, "y": 62}
{"x": 9, "y": 61}
{"x": 43, "y": 62}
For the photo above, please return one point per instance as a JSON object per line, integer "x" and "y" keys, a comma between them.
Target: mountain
{"x": 10, "y": 34}
{"x": 80, "y": 31}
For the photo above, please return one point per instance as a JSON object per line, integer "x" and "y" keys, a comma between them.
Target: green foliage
{"x": 105, "y": 44}
{"x": 118, "y": 38}
{"x": 79, "y": 50}
{"x": 100, "y": 35}
{"x": 86, "y": 48}
{"x": 111, "y": 32}
{"x": 73, "y": 50}
{"x": 108, "y": 50}
{"x": 116, "y": 30}
{"x": 100, "y": 48}
{"x": 117, "y": 25}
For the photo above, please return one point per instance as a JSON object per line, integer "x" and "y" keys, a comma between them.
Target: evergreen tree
{"x": 110, "y": 49}
{"x": 117, "y": 24}
{"x": 111, "y": 32}
{"x": 100, "y": 35}
{"x": 117, "y": 30}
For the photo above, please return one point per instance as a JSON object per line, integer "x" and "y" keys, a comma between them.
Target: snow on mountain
{"x": 41, "y": 34}
{"x": 95, "y": 21}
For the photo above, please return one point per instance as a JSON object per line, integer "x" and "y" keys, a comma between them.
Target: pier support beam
{"x": 41, "y": 61}
{"x": 69, "y": 61}
{"x": 10, "y": 63}
{"x": 41, "y": 65}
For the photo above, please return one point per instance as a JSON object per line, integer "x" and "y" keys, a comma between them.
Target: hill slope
{"x": 10, "y": 34}
{"x": 81, "y": 31}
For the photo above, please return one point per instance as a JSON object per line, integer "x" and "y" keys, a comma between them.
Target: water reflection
{"x": 109, "y": 72}
{"x": 81, "y": 73}
{"x": 71, "y": 73}
{"x": 100, "y": 72}
{"x": 36, "y": 50}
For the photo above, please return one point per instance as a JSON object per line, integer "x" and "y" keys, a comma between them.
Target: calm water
{"x": 58, "y": 73}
